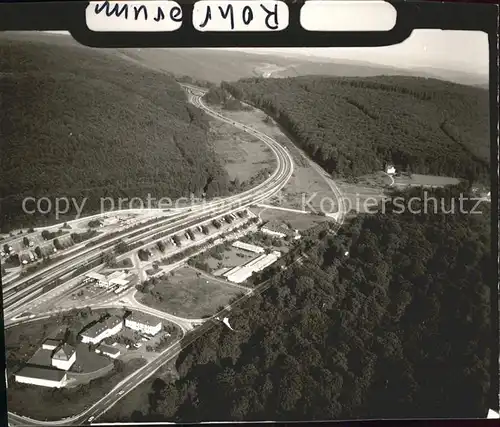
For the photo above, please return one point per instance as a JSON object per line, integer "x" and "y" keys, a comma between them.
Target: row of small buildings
{"x": 241, "y": 273}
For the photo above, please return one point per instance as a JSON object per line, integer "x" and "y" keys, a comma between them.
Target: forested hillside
{"x": 398, "y": 328}
{"x": 353, "y": 126}
{"x": 80, "y": 122}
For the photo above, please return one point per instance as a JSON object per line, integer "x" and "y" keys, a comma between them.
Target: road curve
{"x": 275, "y": 182}
{"x": 216, "y": 209}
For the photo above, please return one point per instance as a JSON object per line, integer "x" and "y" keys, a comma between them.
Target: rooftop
{"x": 42, "y": 373}
{"x": 64, "y": 352}
{"x": 50, "y": 341}
{"x": 120, "y": 282}
{"x": 58, "y": 333}
{"x": 144, "y": 319}
{"x": 99, "y": 328}
{"x": 108, "y": 349}
{"x": 248, "y": 247}
{"x": 41, "y": 357}
{"x": 116, "y": 275}
{"x": 96, "y": 276}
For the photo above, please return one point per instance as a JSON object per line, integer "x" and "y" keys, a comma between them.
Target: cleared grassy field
{"x": 425, "y": 180}
{"x": 297, "y": 221}
{"x": 306, "y": 183}
{"x": 230, "y": 258}
{"x": 187, "y": 294}
{"x": 363, "y": 193}
{"x": 363, "y": 196}
{"x": 242, "y": 155}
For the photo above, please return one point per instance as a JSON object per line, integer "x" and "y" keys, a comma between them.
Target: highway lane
{"x": 73, "y": 285}
{"x": 13, "y": 301}
{"x": 145, "y": 215}
{"x": 276, "y": 181}
{"x": 215, "y": 210}
{"x": 100, "y": 246}
{"x": 136, "y": 231}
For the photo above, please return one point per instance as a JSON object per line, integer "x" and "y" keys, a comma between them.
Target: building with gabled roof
{"x": 50, "y": 344}
{"x": 44, "y": 376}
{"x": 101, "y": 330}
{"x": 108, "y": 350}
{"x": 279, "y": 229}
{"x": 248, "y": 247}
{"x": 143, "y": 323}
{"x": 63, "y": 357}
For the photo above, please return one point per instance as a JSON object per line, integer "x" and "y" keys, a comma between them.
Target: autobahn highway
{"x": 173, "y": 224}
{"x": 15, "y": 293}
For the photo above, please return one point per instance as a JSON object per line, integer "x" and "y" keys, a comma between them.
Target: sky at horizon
{"x": 462, "y": 51}
{"x": 453, "y": 50}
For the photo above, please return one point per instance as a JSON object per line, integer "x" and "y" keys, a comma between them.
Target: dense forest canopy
{"x": 79, "y": 122}
{"x": 398, "y": 328}
{"x": 353, "y": 126}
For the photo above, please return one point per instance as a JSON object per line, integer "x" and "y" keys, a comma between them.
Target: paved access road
{"x": 257, "y": 194}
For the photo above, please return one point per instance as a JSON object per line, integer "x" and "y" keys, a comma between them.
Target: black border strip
{"x": 70, "y": 15}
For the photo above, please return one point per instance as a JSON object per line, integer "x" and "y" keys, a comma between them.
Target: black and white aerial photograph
{"x": 246, "y": 234}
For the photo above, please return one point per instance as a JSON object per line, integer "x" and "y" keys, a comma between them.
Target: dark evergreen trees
{"x": 354, "y": 126}
{"x": 399, "y": 328}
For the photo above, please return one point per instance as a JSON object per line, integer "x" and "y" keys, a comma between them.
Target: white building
{"x": 274, "y": 228}
{"x": 106, "y": 281}
{"x": 42, "y": 375}
{"x": 272, "y": 232}
{"x": 248, "y": 247}
{"x": 109, "y": 351}
{"x": 240, "y": 274}
{"x": 117, "y": 278}
{"x": 100, "y": 279}
{"x": 390, "y": 170}
{"x": 99, "y": 331}
{"x": 63, "y": 357}
{"x": 50, "y": 344}
{"x": 143, "y": 323}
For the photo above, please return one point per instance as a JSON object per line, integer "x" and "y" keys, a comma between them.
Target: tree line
{"x": 355, "y": 126}
{"x": 88, "y": 125}
{"x": 390, "y": 318}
